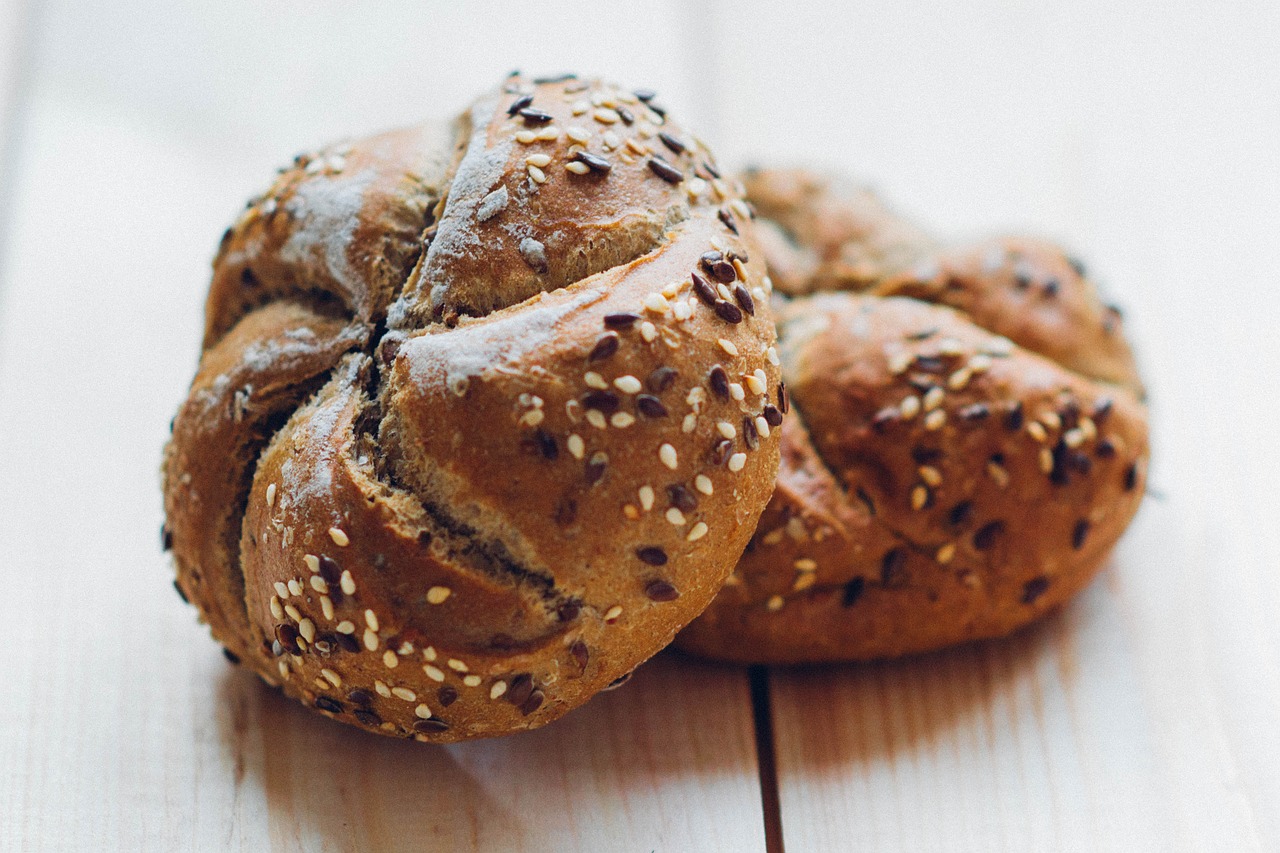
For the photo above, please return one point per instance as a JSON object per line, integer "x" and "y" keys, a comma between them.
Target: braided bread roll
{"x": 486, "y": 413}
{"x": 968, "y": 441}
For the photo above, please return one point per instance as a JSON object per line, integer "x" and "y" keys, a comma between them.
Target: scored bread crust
{"x": 968, "y": 443}
{"x": 458, "y": 455}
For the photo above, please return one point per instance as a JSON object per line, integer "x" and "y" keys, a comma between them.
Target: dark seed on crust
{"x": 726, "y": 217}
{"x": 661, "y": 591}
{"x": 435, "y": 725}
{"x": 744, "y": 299}
{"x": 892, "y": 565}
{"x": 772, "y": 416}
{"x": 728, "y": 312}
{"x": 749, "y": 433}
{"x": 349, "y": 643}
{"x": 852, "y": 591}
{"x": 645, "y": 95}
{"x": 324, "y": 703}
{"x": 883, "y": 418}
{"x": 976, "y": 412}
{"x": 1080, "y": 533}
{"x": 1051, "y": 288}
{"x": 247, "y": 278}
{"x": 703, "y": 289}
{"x": 985, "y": 538}
{"x": 675, "y": 146}
{"x": 623, "y": 320}
{"x": 330, "y": 570}
{"x": 1131, "y": 477}
{"x": 520, "y": 688}
{"x": 178, "y": 589}
{"x": 960, "y": 513}
{"x": 661, "y": 379}
{"x": 1102, "y": 410}
{"x": 594, "y": 162}
{"x": 1077, "y": 265}
{"x": 580, "y": 653}
{"x": 568, "y": 611}
{"x": 559, "y": 78}
{"x": 604, "y": 401}
{"x": 923, "y": 334}
{"x": 532, "y": 116}
{"x": 447, "y": 696}
{"x": 681, "y": 498}
{"x": 360, "y": 697}
{"x": 628, "y": 118}
{"x": 533, "y": 703}
{"x": 1080, "y": 463}
{"x": 620, "y": 680}
{"x": 784, "y": 399}
{"x": 650, "y": 406}
{"x": 1034, "y": 588}
{"x": 287, "y": 635}
{"x": 925, "y": 455}
{"x": 367, "y": 717}
{"x": 1105, "y": 449}
{"x": 231, "y": 656}
{"x": 718, "y": 268}
{"x": 652, "y": 555}
{"x": 547, "y": 445}
{"x": 166, "y": 535}
{"x": 719, "y": 382}
{"x": 604, "y": 348}
{"x": 711, "y": 169}
{"x": 1013, "y": 419}
{"x": 594, "y": 470}
{"x": 665, "y": 170}
{"x": 721, "y": 452}
{"x": 519, "y": 103}
{"x": 930, "y": 363}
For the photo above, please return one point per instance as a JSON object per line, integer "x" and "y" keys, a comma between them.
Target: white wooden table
{"x": 1145, "y": 716}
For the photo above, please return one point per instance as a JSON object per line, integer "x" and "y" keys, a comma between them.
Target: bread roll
{"x": 487, "y": 411}
{"x": 967, "y": 443}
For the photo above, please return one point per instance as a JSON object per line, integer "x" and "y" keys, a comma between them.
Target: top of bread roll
{"x": 486, "y": 412}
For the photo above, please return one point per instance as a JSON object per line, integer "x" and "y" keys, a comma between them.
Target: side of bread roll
{"x": 967, "y": 442}
{"x": 487, "y": 411}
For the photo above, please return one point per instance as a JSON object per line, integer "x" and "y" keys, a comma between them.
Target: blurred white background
{"x": 1145, "y": 135}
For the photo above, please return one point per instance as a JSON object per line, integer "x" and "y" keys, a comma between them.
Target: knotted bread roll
{"x": 968, "y": 441}
{"x": 487, "y": 411}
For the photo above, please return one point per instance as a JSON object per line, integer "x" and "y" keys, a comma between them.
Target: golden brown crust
{"x": 939, "y": 482}
{"x": 523, "y": 489}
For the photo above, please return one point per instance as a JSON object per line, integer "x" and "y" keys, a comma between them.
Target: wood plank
{"x": 126, "y": 729}
{"x": 1142, "y": 717}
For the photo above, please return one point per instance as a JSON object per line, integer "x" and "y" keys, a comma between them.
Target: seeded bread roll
{"x": 967, "y": 444}
{"x": 486, "y": 413}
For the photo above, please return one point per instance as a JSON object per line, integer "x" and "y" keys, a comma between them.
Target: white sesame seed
{"x": 577, "y": 167}
{"x": 471, "y": 680}
{"x": 758, "y": 294}
{"x": 406, "y": 648}
{"x": 457, "y": 665}
{"x": 775, "y": 603}
{"x": 434, "y": 673}
{"x": 622, "y": 420}
{"x": 946, "y": 553}
{"x": 703, "y": 484}
{"x": 331, "y": 677}
{"x": 370, "y": 640}
{"x": 347, "y": 582}
{"x": 737, "y": 462}
{"x": 594, "y": 380}
{"x": 638, "y": 147}
{"x": 646, "y": 497}
{"x": 1046, "y": 460}
{"x": 276, "y": 610}
{"x": 326, "y": 606}
{"x": 404, "y": 693}
{"x": 628, "y": 384}
{"x": 1088, "y": 428}
{"x": 980, "y": 363}
{"x": 935, "y": 419}
{"x": 497, "y": 689}
{"x": 295, "y": 588}
{"x": 611, "y": 140}
{"x": 932, "y": 476}
{"x": 318, "y": 584}
{"x": 950, "y": 346}
{"x": 525, "y": 137}
{"x": 772, "y": 354}
{"x": 675, "y": 516}
{"x": 307, "y": 629}
{"x": 806, "y": 564}
{"x": 581, "y": 106}
{"x": 577, "y": 447}
{"x": 283, "y": 667}
{"x": 271, "y": 495}
{"x": 1051, "y": 420}
{"x": 389, "y": 659}
{"x": 422, "y": 712}
{"x": 595, "y": 417}
{"x": 727, "y": 429}
{"x": 383, "y": 690}
{"x": 613, "y": 613}
{"x": 578, "y": 134}
{"x": 1036, "y": 430}
{"x": 682, "y": 310}
{"x": 538, "y": 176}
{"x": 697, "y": 531}
{"x": 728, "y": 346}
{"x": 755, "y": 384}
{"x": 539, "y": 160}
{"x": 532, "y": 418}
{"x": 429, "y": 653}
{"x": 919, "y": 497}
{"x": 656, "y": 303}
{"x": 346, "y": 626}
{"x": 648, "y": 332}
{"x": 371, "y": 619}
{"x": 724, "y": 291}
{"x": 667, "y": 455}
{"x": 909, "y": 408}
{"x": 933, "y": 398}
{"x": 312, "y": 562}
{"x": 292, "y": 612}
{"x": 438, "y": 594}
{"x": 958, "y": 380}
{"x": 689, "y": 424}
{"x": 604, "y": 115}
{"x": 1073, "y": 437}
{"x": 281, "y": 589}
{"x": 695, "y": 187}
{"x": 737, "y": 392}
{"x": 339, "y": 537}
{"x": 762, "y": 426}
{"x": 550, "y": 133}
{"x": 998, "y": 473}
